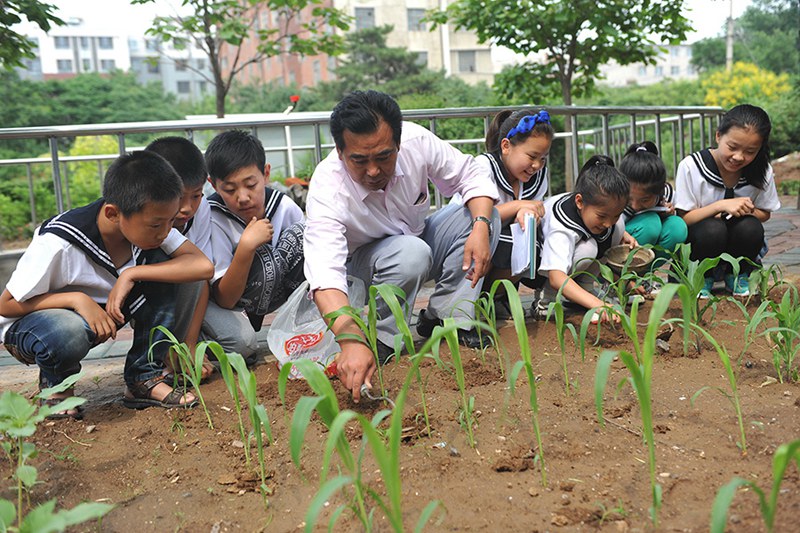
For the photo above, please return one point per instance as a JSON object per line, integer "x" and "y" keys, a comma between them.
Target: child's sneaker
{"x": 739, "y": 286}
{"x": 652, "y": 288}
{"x": 705, "y": 292}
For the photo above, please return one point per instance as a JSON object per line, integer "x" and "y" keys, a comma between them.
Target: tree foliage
{"x": 573, "y": 38}
{"x": 766, "y": 34}
{"x": 745, "y": 83}
{"x": 14, "y": 47}
{"x": 217, "y": 26}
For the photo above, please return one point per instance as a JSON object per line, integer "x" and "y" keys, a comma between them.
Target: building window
{"x": 84, "y": 43}
{"x": 180, "y": 65}
{"x": 365, "y": 18}
{"x": 152, "y": 67}
{"x": 62, "y": 43}
{"x": 688, "y": 51}
{"x": 34, "y": 42}
{"x": 415, "y": 22}
{"x": 674, "y": 51}
{"x": 107, "y": 65}
{"x": 151, "y": 45}
{"x": 643, "y": 71}
{"x": 466, "y": 60}
{"x": 690, "y": 70}
{"x": 201, "y": 64}
{"x": 87, "y": 65}
{"x": 422, "y": 59}
{"x": 203, "y": 87}
{"x": 105, "y": 43}
{"x": 183, "y": 87}
{"x": 659, "y": 72}
{"x": 64, "y": 65}
{"x": 675, "y": 71}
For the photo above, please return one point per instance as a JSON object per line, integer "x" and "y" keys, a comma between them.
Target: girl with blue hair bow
{"x": 517, "y": 144}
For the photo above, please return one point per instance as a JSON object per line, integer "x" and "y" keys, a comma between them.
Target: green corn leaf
{"x": 328, "y": 489}
{"x": 302, "y": 416}
{"x": 722, "y": 502}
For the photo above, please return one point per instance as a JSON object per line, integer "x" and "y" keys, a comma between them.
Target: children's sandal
{"x": 138, "y": 396}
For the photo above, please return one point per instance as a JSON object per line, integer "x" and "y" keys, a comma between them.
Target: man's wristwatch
{"x": 483, "y": 219}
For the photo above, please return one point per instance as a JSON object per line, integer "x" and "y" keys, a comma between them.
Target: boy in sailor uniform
{"x": 257, "y": 241}
{"x": 194, "y": 223}
{"x": 91, "y": 269}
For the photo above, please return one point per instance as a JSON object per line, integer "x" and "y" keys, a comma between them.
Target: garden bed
{"x": 168, "y": 471}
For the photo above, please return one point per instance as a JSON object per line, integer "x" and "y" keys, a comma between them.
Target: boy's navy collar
{"x": 566, "y": 212}
{"x": 272, "y": 200}
{"x": 710, "y": 171}
{"x": 79, "y": 227}
{"x": 499, "y": 173}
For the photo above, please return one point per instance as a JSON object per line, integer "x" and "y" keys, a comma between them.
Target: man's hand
{"x": 256, "y": 233}
{"x": 477, "y": 253}
{"x": 101, "y": 322}
{"x": 355, "y": 365}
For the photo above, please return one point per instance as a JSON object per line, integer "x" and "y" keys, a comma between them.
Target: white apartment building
{"x": 76, "y": 48}
{"x": 456, "y": 52}
{"x": 84, "y": 46}
{"x": 674, "y": 64}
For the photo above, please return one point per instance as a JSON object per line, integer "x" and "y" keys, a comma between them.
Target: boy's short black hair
{"x": 137, "y": 178}
{"x": 231, "y": 150}
{"x": 185, "y": 158}
{"x": 361, "y": 112}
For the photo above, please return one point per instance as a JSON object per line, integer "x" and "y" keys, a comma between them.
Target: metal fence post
{"x": 56, "y": 173}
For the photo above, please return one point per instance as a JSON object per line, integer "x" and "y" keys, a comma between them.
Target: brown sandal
{"x": 138, "y": 396}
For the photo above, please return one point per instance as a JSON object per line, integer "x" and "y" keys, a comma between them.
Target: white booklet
{"x": 523, "y": 249}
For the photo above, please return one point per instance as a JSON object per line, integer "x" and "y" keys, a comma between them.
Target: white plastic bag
{"x": 299, "y": 331}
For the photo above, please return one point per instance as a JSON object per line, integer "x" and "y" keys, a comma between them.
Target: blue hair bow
{"x": 527, "y": 123}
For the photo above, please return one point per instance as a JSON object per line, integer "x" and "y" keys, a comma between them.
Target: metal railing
{"x": 677, "y": 131}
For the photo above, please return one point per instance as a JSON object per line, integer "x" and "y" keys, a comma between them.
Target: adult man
{"x": 367, "y": 216}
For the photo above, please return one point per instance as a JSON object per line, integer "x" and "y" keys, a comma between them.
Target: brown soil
{"x": 167, "y": 471}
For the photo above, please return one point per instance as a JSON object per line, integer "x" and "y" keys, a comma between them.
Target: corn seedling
{"x": 466, "y": 416}
{"x": 733, "y": 395}
{"x": 190, "y": 365}
{"x": 641, "y": 374}
{"x": 691, "y": 274}
{"x": 786, "y": 335}
{"x": 386, "y": 454}
{"x": 784, "y": 455}
{"x": 763, "y": 280}
{"x": 758, "y": 318}
{"x": 228, "y": 362}
{"x": 486, "y": 310}
{"x": 259, "y": 422}
{"x": 19, "y": 418}
{"x": 521, "y": 330}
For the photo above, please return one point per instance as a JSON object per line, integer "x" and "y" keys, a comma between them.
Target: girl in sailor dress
{"x": 518, "y": 144}
{"x": 578, "y": 228}
{"x": 650, "y": 214}
{"x": 725, "y": 194}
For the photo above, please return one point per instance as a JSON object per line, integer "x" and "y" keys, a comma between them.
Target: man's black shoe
{"x": 384, "y": 353}
{"x": 466, "y": 337}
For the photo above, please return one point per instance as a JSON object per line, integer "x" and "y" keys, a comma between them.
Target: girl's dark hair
{"x": 505, "y": 120}
{"x": 599, "y": 180}
{"x": 747, "y": 116}
{"x": 641, "y": 165}
{"x": 361, "y": 112}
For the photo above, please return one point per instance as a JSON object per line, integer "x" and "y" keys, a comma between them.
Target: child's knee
{"x": 673, "y": 232}
{"x": 645, "y": 228}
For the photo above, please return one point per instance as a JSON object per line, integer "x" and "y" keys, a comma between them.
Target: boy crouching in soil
{"x": 90, "y": 270}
